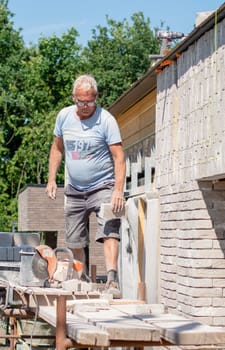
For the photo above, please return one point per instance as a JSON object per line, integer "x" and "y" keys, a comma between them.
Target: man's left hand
{"x": 117, "y": 201}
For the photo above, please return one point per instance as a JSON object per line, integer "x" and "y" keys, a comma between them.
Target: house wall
{"x": 36, "y": 212}
{"x": 190, "y": 172}
{"x": 137, "y": 126}
{"x": 192, "y": 246}
{"x": 138, "y": 122}
{"x": 96, "y": 253}
{"x": 139, "y": 248}
{"x": 190, "y": 119}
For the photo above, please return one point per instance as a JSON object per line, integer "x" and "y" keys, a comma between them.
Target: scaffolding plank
{"x": 190, "y": 332}
{"x": 77, "y": 329}
{"x": 121, "y": 326}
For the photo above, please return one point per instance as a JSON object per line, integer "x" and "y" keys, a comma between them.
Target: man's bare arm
{"x": 55, "y": 159}
{"x": 120, "y": 173}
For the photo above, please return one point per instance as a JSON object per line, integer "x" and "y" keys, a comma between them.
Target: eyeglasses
{"x": 85, "y": 103}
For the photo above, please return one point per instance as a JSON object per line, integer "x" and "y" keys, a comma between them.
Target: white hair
{"x": 85, "y": 81}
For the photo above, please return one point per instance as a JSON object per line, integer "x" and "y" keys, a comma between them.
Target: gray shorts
{"x": 78, "y": 206}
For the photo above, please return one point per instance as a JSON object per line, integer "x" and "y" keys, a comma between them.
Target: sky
{"x": 39, "y": 18}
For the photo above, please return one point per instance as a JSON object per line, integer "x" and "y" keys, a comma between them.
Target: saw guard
{"x": 69, "y": 264}
{"x": 46, "y": 266}
{"x": 47, "y": 253}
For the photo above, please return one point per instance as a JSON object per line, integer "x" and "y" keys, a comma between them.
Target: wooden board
{"x": 173, "y": 328}
{"x": 104, "y": 323}
{"x": 190, "y": 332}
{"x": 77, "y": 329}
{"x": 139, "y": 309}
{"x": 121, "y": 326}
{"x": 180, "y": 330}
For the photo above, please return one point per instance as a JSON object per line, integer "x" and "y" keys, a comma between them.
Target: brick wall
{"x": 36, "y": 212}
{"x": 190, "y": 173}
{"x": 96, "y": 254}
{"x": 190, "y": 126}
{"x": 193, "y": 248}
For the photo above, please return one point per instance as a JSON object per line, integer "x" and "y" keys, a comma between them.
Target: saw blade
{"x": 40, "y": 266}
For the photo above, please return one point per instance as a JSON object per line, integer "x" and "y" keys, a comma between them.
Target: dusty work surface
{"x": 104, "y": 323}
{"x": 92, "y": 320}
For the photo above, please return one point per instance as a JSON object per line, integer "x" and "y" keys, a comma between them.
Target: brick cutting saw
{"x": 47, "y": 267}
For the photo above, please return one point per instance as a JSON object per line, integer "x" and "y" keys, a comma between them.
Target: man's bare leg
{"x": 111, "y": 253}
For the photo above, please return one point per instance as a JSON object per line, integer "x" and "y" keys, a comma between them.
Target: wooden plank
{"x": 145, "y": 310}
{"x": 190, "y": 333}
{"x": 123, "y": 322}
{"x": 141, "y": 225}
{"x": 165, "y": 318}
{"x": 40, "y": 290}
{"x": 77, "y": 329}
{"x": 141, "y": 229}
{"x": 131, "y": 307}
{"x": 144, "y": 105}
{"x": 85, "y": 304}
{"x": 121, "y": 326}
{"x": 178, "y": 330}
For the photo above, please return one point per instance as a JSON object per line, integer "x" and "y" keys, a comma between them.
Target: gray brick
{"x": 3, "y": 253}
{"x": 16, "y": 254}
{"x": 10, "y": 253}
{"x": 6, "y": 239}
{"x": 26, "y": 238}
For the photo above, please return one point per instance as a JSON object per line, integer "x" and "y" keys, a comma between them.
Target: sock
{"x": 112, "y": 275}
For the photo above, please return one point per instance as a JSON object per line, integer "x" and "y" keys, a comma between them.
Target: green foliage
{"x": 118, "y": 55}
{"x": 36, "y": 82}
{"x": 12, "y": 104}
{"x": 59, "y": 63}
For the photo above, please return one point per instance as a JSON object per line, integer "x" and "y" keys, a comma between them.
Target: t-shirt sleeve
{"x": 58, "y": 125}
{"x": 112, "y": 131}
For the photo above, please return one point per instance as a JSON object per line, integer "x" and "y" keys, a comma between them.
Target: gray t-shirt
{"x": 88, "y": 158}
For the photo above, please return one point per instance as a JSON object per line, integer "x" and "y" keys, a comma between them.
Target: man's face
{"x": 85, "y": 102}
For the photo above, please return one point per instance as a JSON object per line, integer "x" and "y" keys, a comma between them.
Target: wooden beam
{"x": 141, "y": 229}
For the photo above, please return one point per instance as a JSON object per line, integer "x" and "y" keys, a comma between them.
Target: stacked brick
{"x": 190, "y": 173}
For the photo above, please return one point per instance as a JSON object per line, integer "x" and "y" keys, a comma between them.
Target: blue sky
{"x": 48, "y": 17}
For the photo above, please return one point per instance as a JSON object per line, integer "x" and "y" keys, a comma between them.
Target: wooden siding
{"x": 190, "y": 123}
{"x": 138, "y": 122}
{"x": 137, "y": 127}
{"x": 190, "y": 148}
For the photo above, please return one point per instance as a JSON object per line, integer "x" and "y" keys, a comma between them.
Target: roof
{"x": 148, "y": 81}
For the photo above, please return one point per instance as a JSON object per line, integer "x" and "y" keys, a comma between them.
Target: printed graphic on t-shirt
{"x": 80, "y": 149}
{"x": 88, "y": 158}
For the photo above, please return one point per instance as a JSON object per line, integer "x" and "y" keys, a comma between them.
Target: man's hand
{"x": 51, "y": 189}
{"x": 117, "y": 201}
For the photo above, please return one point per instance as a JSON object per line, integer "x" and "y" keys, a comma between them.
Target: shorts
{"x": 78, "y": 206}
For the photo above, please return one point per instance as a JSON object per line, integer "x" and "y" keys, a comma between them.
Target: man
{"x": 95, "y": 166}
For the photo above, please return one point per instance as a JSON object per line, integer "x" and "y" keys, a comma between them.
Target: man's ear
{"x": 73, "y": 96}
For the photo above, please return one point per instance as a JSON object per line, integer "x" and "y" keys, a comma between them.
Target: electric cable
{"x": 31, "y": 292}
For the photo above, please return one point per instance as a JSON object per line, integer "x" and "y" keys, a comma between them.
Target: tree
{"x": 36, "y": 82}
{"x": 118, "y": 54}
{"x": 48, "y": 77}
{"x": 60, "y": 62}
{"x": 12, "y": 103}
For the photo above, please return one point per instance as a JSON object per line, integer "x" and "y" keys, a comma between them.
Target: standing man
{"x": 95, "y": 163}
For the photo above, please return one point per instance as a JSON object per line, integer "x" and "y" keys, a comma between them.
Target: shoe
{"x": 112, "y": 287}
